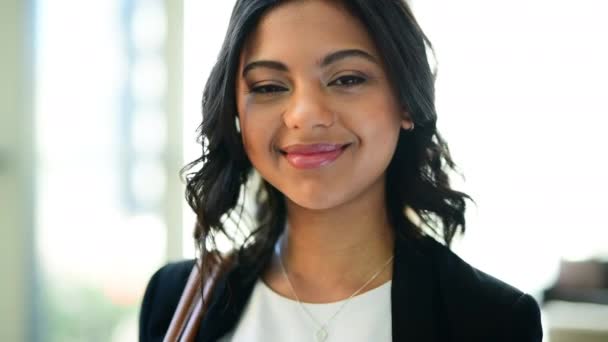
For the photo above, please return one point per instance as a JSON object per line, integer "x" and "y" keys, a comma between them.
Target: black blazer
{"x": 435, "y": 296}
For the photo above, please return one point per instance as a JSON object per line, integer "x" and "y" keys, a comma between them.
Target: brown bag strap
{"x": 191, "y": 307}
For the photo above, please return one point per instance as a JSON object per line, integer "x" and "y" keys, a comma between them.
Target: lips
{"x": 313, "y": 155}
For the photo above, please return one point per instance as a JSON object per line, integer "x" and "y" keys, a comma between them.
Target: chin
{"x": 318, "y": 201}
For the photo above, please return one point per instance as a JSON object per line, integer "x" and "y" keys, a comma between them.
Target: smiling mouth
{"x": 313, "y": 156}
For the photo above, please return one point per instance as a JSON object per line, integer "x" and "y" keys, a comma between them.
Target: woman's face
{"x": 318, "y": 116}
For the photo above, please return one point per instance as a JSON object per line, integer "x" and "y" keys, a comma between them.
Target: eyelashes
{"x": 347, "y": 81}
{"x": 267, "y": 89}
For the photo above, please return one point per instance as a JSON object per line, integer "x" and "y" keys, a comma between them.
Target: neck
{"x": 330, "y": 253}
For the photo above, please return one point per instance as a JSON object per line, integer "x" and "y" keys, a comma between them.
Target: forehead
{"x": 304, "y": 29}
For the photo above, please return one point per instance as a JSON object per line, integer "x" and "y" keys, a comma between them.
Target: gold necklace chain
{"x": 322, "y": 333}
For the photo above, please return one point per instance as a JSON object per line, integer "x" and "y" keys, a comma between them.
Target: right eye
{"x": 267, "y": 89}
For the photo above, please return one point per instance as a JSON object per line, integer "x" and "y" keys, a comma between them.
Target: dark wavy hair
{"x": 417, "y": 176}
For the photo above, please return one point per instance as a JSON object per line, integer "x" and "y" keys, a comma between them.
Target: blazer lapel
{"x": 414, "y": 317}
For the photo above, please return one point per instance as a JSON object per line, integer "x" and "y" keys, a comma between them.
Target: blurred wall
{"x": 16, "y": 217}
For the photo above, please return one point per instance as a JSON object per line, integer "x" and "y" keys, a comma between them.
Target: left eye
{"x": 347, "y": 81}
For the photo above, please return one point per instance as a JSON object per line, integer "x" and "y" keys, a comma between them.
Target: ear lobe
{"x": 407, "y": 123}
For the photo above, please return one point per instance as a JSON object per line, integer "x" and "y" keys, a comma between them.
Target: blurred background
{"x": 100, "y": 100}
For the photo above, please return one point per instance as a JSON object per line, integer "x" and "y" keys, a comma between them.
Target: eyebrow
{"x": 324, "y": 62}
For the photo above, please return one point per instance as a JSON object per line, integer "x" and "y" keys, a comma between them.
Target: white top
{"x": 270, "y": 317}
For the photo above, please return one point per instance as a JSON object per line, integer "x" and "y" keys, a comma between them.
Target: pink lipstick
{"x": 312, "y": 156}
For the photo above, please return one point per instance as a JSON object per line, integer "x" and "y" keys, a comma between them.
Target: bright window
{"x": 100, "y": 133}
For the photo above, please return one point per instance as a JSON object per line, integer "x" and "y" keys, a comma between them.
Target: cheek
{"x": 376, "y": 121}
{"x": 377, "y": 126}
{"x": 258, "y": 136}
{"x": 252, "y": 138}
{"x": 378, "y": 144}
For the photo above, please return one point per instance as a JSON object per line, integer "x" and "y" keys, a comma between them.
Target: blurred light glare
{"x": 149, "y": 182}
{"x": 149, "y": 26}
{"x": 149, "y": 132}
{"x": 149, "y": 79}
{"x": 137, "y": 246}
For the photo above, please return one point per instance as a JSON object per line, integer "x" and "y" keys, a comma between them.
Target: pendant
{"x": 321, "y": 334}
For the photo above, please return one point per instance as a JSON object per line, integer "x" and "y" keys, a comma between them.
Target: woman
{"x": 332, "y": 104}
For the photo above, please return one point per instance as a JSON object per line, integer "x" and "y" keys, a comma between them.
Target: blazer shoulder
{"x": 460, "y": 276}
{"x": 161, "y": 298}
{"x": 474, "y": 299}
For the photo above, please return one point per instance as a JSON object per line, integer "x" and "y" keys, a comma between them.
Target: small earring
{"x": 411, "y": 128}
{"x": 237, "y": 124}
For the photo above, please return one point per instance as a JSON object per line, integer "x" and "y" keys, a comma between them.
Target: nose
{"x": 308, "y": 109}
